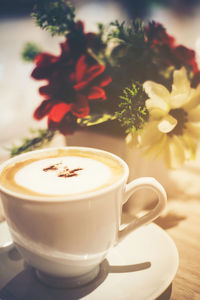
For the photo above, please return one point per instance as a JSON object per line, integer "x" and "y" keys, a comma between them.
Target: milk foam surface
{"x": 92, "y": 174}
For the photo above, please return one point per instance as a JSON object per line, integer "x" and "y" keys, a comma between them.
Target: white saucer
{"x": 6, "y": 241}
{"x": 141, "y": 268}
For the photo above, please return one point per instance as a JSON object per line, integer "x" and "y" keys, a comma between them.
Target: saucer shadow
{"x": 171, "y": 220}
{"x": 26, "y": 285}
{"x": 166, "y": 295}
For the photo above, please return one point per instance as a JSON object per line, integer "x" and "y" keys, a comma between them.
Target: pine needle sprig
{"x": 127, "y": 34}
{"x": 133, "y": 112}
{"x": 41, "y": 138}
{"x": 129, "y": 46}
{"x": 55, "y": 16}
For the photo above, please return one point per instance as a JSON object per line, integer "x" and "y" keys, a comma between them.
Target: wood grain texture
{"x": 186, "y": 235}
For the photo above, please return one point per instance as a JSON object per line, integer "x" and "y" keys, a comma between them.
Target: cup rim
{"x": 64, "y": 198}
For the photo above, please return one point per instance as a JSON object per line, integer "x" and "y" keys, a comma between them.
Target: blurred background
{"x": 19, "y": 97}
{"x": 19, "y": 93}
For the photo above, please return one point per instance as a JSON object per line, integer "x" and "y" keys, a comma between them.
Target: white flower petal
{"x": 156, "y": 150}
{"x": 193, "y": 129}
{"x": 166, "y": 155}
{"x": 181, "y": 90}
{"x": 180, "y": 100}
{"x": 194, "y": 99}
{"x": 158, "y": 94}
{"x": 181, "y": 83}
{"x": 132, "y": 139}
{"x": 150, "y": 134}
{"x": 167, "y": 124}
{"x": 189, "y": 145}
{"x": 175, "y": 156}
{"x": 194, "y": 114}
{"x": 157, "y": 113}
{"x": 157, "y": 103}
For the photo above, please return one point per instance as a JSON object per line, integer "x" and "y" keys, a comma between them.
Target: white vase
{"x": 138, "y": 165}
{"x": 182, "y": 183}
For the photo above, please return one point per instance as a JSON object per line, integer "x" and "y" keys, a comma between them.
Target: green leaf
{"x": 30, "y": 51}
{"x": 40, "y": 138}
{"x": 95, "y": 119}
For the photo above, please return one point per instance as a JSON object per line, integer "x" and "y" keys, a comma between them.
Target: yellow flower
{"x": 173, "y": 129}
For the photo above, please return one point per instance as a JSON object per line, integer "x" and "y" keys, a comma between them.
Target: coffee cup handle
{"x": 132, "y": 187}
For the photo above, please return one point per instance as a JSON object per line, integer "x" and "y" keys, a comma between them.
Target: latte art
{"x": 65, "y": 172}
{"x": 61, "y": 178}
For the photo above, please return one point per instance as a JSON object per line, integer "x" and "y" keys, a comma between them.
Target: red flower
{"x": 66, "y": 126}
{"x": 80, "y": 41}
{"x": 73, "y": 79}
{"x": 157, "y": 35}
{"x": 166, "y": 49}
{"x": 196, "y": 80}
{"x": 186, "y": 57}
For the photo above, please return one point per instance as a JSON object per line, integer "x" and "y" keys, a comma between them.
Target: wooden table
{"x": 182, "y": 223}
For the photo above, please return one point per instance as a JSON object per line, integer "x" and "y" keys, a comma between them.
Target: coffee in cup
{"x": 61, "y": 172}
{"x": 63, "y": 207}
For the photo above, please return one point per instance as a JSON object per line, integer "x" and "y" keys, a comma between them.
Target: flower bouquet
{"x": 129, "y": 74}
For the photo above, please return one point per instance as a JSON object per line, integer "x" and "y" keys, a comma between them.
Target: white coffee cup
{"x": 66, "y": 238}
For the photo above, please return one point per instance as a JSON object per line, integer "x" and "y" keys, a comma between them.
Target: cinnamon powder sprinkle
{"x": 51, "y": 168}
{"x": 75, "y": 170}
{"x": 69, "y": 173}
{"x": 65, "y": 172}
